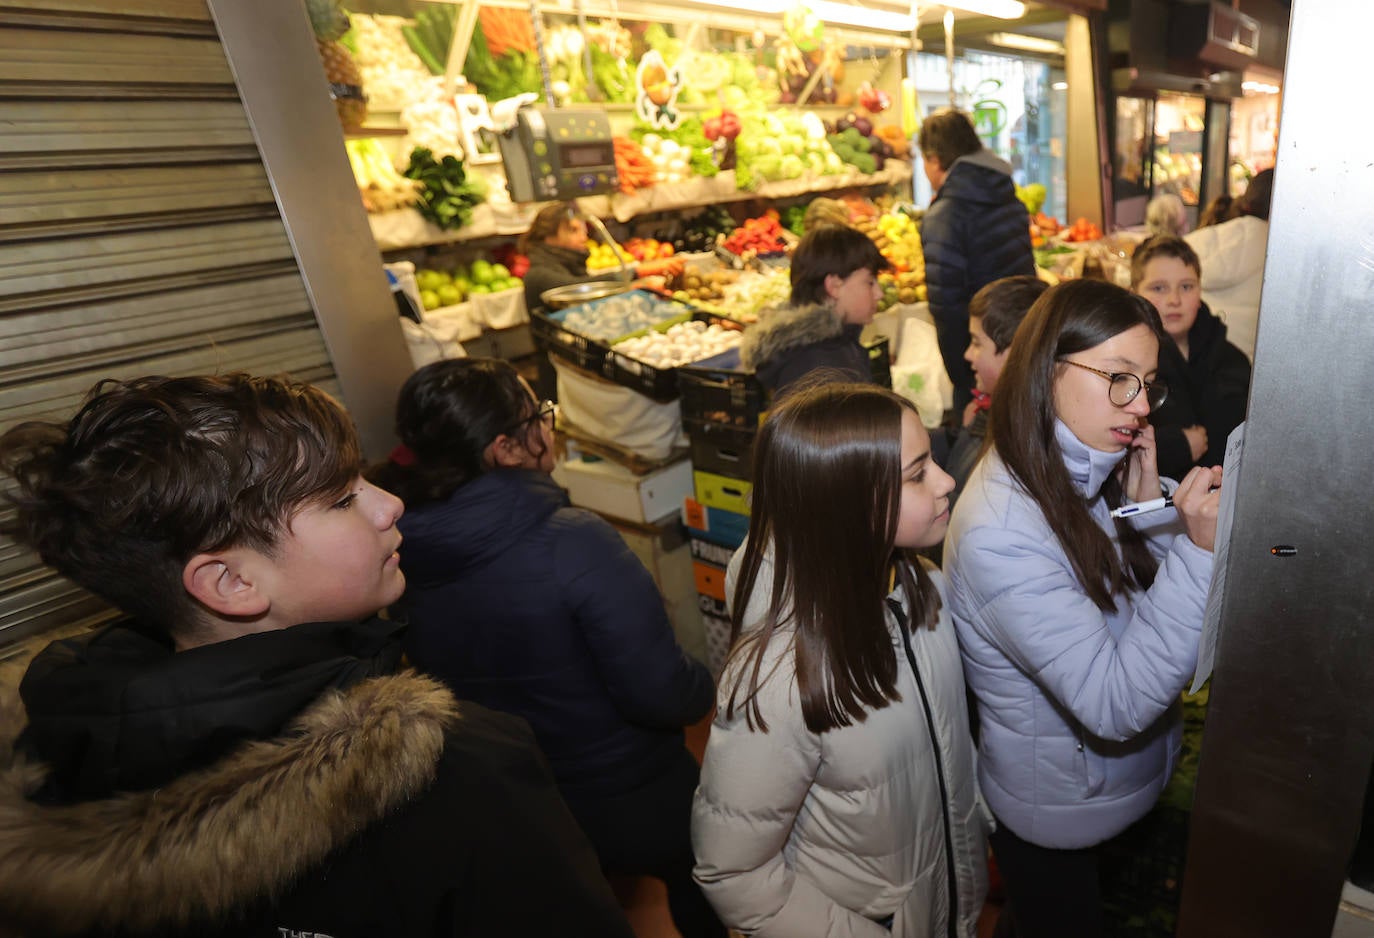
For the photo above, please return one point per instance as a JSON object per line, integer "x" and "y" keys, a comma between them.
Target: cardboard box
{"x": 718, "y": 491}
{"x": 727, "y": 528}
{"x": 710, "y": 579}
{"x": 611, "y": 489}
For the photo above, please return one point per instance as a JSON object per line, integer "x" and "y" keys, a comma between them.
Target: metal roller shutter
{"x": 139, "y": 231}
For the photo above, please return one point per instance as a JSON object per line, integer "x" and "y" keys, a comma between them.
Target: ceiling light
{"x": 1002, "y": 9}
{"x": 847, "y": 14}
{"x": 1259, "y": 87}
{"x": 830, "y": 11}
{"x": 1026, "y": 43}
{"x": 1060, "y": 86}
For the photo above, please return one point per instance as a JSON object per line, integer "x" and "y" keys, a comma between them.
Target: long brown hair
{"x": 827, "y": 492}
{"x": 1072, "y": 317}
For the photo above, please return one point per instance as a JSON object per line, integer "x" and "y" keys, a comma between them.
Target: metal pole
{"x": 1289, "y": 737}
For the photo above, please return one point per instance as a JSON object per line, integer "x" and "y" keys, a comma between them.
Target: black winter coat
{"x": 790, "y": 342}
{"x": 527, "y": 605}
{"x": 976, "y": 231}
{"x": 1210, "y": 389}
{"x": 283, "y": 782}
{"x": 552, "y": 266}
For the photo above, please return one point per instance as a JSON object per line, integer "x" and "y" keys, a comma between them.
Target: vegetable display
{"x": 634, "y": 168}
{"x": 449, "y": 194}
{"x": 432, "y": 35}
{"x": 380, "y": 185}
{"x": 761, "y": 236}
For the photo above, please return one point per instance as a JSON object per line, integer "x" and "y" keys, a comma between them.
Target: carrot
{"x": 634, "y": 168}
{"x": 505, "y": 30}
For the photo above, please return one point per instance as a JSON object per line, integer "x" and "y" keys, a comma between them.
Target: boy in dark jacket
{"x": 993, "y": 315}
{"x": 244, "y": 757}
{"x": 835, "y": 293}
{"x": 1208, "y": 377}
{"x": 976, "y": 231}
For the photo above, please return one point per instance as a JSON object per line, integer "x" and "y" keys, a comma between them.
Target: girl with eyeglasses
{"x": 525, "y": 604}
{"x": 1078, "y": 631}
{"x": 837, "y": 795}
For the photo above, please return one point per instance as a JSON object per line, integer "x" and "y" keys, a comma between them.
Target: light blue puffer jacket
{"x": 1078, "y": 708}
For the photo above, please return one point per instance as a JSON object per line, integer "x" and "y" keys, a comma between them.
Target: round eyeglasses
{"x": 547, "y": 412}
{"x": 1125, "y": 387}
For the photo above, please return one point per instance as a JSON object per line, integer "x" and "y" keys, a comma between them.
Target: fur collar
{"x": 784, "y": 328}
{"x": 213, "y": 841}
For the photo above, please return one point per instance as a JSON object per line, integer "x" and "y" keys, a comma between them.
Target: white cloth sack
{"x": 919, "y": 372}
{"x": 616, "y": 414}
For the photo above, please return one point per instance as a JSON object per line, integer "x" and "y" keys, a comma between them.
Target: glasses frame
{"x": 1140, "y": 385}
{"x": 547, "y": 411}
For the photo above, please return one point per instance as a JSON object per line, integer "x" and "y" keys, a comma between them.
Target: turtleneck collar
{"x": 1088, "y": 467}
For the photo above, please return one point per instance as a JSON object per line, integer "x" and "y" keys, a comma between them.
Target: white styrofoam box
{"x": 500, "y": 310}
{"x": 609, "y": 488}
{"x": 617, "y": 414}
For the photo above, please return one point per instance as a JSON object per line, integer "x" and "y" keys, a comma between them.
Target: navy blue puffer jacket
{"x": 975, "y": 232}
{"x": 524, "y": 604}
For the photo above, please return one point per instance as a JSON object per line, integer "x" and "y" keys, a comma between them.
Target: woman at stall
{"x": 556, "y": 245}
{"x": 1078, "y": 631}
{"x": 524, "y": 604}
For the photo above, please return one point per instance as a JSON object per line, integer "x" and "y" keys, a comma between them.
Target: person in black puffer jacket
{"x": 527, "y": 605}
{"x": 976, "y": 231}
{"x": 1208, "y": 377}
{"x": 245, "y": 755}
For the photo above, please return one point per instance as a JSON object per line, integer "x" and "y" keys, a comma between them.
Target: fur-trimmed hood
{"x": 784, "y": 328}
{"x": 221, "y": 838}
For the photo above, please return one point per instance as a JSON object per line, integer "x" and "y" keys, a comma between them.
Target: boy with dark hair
{"x": 994, "y": 314}
{"x": 245, "y": 757}
{"x": 975, "y": 232}
{"x": 1207, "y": 376}
{"x": 835, "y": 293}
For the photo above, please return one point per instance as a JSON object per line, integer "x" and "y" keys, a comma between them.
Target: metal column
{"x": 1290, "y": 731}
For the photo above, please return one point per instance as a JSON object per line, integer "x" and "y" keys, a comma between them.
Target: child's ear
{"x": 832, "y": 284}
{"x": 506, "y": 452}
{"x": 221, "y": 583}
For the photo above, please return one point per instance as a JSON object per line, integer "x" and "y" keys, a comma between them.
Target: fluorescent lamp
{"x": 1060, "y": 86}
{"x": 1259, "y": 87}
{"x": 830, "y": 11}
{"x": 846, "y": 14}
{"x": 1002, "y": 9}
{"x": 1026, "y": 43}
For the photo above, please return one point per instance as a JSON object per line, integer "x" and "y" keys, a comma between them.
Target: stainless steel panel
{"x": 1290, "y": 731}
{"x": 265, "y": 41}
{"x": 65, "y": 263}
{"x": 34, "y": 340}
{"x": 56, "y": 130}
{"x": 57, "y": 56}
{"x": 47, "y": 198}
{"x": 158, "y": 9}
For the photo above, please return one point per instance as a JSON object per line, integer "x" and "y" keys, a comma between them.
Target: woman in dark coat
{"x": 525, "y": 604}
{"x": 1208, "y": 377}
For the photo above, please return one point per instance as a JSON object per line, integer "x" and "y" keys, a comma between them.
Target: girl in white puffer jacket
{"x": 837, "y": 794}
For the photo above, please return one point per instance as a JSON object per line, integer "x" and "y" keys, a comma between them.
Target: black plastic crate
{"x": 661, "y": 384}
{"x": 720, "y": 448}
{"x": 583, "y": 352}
{"x": 717, "y": 391}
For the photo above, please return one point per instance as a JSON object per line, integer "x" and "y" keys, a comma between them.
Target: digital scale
{"x": 556, "y": 154}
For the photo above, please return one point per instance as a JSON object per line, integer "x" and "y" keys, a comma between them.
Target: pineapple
{"x": 330, "y": 22}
